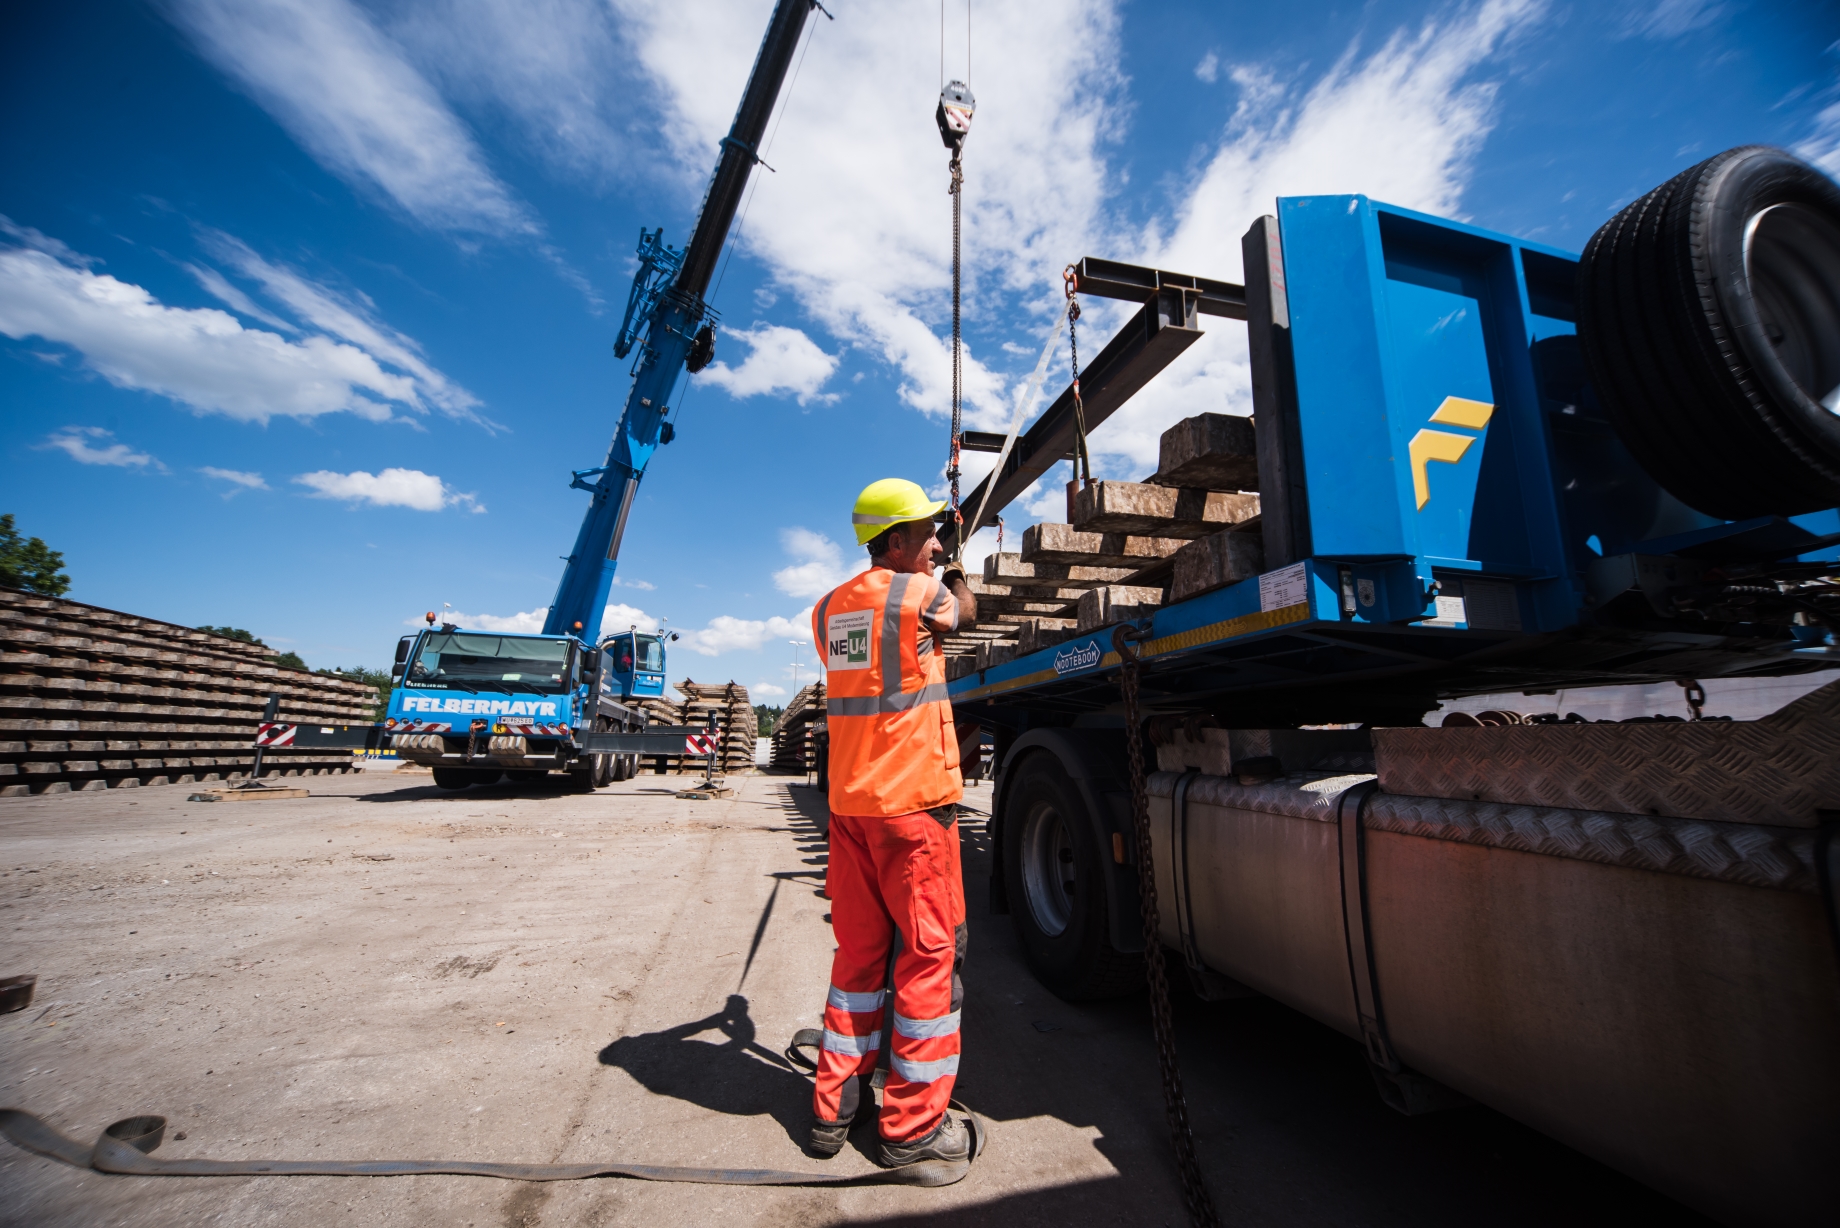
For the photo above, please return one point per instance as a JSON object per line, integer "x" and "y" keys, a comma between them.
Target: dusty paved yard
{"x": 388, "y": 971}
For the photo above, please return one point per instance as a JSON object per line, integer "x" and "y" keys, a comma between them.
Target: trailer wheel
{"x": 1709, "y": 315}
{"x": 1054, "y": 871}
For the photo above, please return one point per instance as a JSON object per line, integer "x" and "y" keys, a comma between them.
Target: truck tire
{"x": 1709, "y": 316}
{"x": 1053, "y": 868}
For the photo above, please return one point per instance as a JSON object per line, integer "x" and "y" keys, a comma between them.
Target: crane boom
{"x": 663, "y": 317}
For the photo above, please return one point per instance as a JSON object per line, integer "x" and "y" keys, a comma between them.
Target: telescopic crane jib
{"x": 672, "y": 329}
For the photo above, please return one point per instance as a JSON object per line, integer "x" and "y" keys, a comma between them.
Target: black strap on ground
{"x": 123, "y": 1146}
{"x": 1201, "y": 1211}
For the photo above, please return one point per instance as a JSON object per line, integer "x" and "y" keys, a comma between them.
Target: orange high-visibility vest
{"x": 893, "y": 748}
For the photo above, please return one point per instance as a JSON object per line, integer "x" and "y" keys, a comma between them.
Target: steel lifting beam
{"x": 1136, "y": 284}
{"x": 1152, "y": 340}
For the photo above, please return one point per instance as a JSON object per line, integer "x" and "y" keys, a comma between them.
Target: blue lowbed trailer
{"x": 1623, "y": 935}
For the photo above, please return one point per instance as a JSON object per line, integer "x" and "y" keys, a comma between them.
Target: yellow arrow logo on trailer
{"x": 1429, "y": 445}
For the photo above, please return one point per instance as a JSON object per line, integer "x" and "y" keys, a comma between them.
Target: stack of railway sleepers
{"x": 660, "y": 711}
{"x": 734, "y": 715}
{"x": 792, "y": 741}
{"x": 92, "y": 698}
{"x": 1190, "y": 527}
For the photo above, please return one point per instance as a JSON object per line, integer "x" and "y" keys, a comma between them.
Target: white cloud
{"x": 1823, "y": 147}
{"x": 1208, "y": 69}
{"x": 618, "y": 616}
{"x": 528, "y": 623}
{"x": 73, "y": 441}
{"x": 783, "y": 360}
{"x": 348, "y": 95}
{"x": 238, "y": 479}
{"x": 642, "y": 585}
{"x": 348, "y": 318}
{"x": 1402, "y": 125}
{"x": 219, "y": 288}
{"x": 766, "y": 690}
{"x": 207, "y": 359}
{"x": 1666, "y": 19}
{"x": 820, "y": 567}
{"x": 410, "y": 488}
{"x": 726, "y": 633}
{"x": 39, "y": 241}
{"x": 552, "y": 66}
{"x": 857, "y": 223}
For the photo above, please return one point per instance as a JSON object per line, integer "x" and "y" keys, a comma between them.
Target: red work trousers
{"x": 895, "y": 888}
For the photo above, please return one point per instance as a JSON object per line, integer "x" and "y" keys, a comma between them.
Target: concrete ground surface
{"x": 389, "y": 971}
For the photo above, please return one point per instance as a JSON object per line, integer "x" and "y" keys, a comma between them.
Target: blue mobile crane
{"x": 477, "y": 705}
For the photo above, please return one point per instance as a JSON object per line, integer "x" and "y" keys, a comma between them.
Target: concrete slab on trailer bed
{"x": 329, "y": 978}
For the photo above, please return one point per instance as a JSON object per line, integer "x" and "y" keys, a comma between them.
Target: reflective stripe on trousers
{"x": 896, "y": 889}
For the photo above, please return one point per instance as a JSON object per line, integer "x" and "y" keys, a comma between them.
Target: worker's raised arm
{"x": 955, "y": 589}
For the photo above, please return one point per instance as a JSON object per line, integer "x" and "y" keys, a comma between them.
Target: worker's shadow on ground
{"x": 738, "y": 1076}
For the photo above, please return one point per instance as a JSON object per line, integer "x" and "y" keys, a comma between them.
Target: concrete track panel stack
{"x": 733, "y": 713}
{"x": 92, "y": 698}
{"x": 1130, "y": 545}
{"x": 793, "y": 745}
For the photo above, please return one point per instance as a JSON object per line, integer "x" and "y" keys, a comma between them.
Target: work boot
{"x": 949, "y": 1141}
{"x": 828, "y": 1137}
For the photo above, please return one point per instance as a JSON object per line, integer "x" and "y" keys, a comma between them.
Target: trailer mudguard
{"x": 1094, "y": 760}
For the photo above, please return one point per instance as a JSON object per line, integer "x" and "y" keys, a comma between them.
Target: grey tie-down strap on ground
{"x": 123, "y": 1146}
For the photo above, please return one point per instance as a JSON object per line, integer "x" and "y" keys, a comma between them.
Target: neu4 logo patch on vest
{"x": 846, "y": 639}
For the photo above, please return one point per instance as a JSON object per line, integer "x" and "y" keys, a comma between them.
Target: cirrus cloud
{"x": 207, "y": 359}
{"x": 75, "y": 442}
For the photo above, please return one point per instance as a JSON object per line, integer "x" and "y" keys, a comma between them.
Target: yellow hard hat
{"x": 889, "y": 502}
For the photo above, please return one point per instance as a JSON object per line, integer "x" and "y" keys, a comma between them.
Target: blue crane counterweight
{"x": 668, "y": 322}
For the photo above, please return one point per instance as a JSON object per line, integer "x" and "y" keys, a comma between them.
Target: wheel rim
{"x": 1792, "y": 259}
{"x": 1047, "y": 869}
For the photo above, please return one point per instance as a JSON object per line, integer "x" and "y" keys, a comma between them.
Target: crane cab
{"x": 635, "y": 664}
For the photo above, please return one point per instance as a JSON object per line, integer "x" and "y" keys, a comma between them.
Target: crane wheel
{"x": 1709, "y": 317}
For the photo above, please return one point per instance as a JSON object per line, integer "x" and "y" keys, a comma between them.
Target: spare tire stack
{"x": 1709, "y": 316}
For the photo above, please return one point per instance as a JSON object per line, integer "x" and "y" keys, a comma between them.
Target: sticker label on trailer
{"x": 846, "y": 639}
{"x": 1281, "y": 589}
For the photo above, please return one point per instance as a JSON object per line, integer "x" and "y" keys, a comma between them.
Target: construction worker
{"x": 894, "y": 878}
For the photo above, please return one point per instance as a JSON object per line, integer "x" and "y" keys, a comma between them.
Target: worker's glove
{"x": 953, "y": 572}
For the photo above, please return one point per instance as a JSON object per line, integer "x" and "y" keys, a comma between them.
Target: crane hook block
{"x": 702, "y": 349}
{"x": 954, "y": 115}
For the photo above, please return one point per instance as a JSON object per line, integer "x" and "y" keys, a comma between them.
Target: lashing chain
{"x": 1201, "y": 1211}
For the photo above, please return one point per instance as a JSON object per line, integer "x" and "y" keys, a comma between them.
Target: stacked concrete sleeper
{"x": 92, "y": 698}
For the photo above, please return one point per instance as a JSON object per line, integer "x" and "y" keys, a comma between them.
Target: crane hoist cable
{"x": 954, "y": 119}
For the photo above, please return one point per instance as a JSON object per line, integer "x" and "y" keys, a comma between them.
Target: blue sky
{"x": 306, "y": 306}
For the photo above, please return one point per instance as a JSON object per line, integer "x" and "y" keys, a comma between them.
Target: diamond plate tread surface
{"x": 1776, "y": 771}
{"x": 1754, "y": 856}
{"x": 1300, "y": 795}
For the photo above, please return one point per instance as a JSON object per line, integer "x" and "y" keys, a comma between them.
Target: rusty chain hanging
{"x": 1082, "y": 461}
{"x": 1201, "y": 1211}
